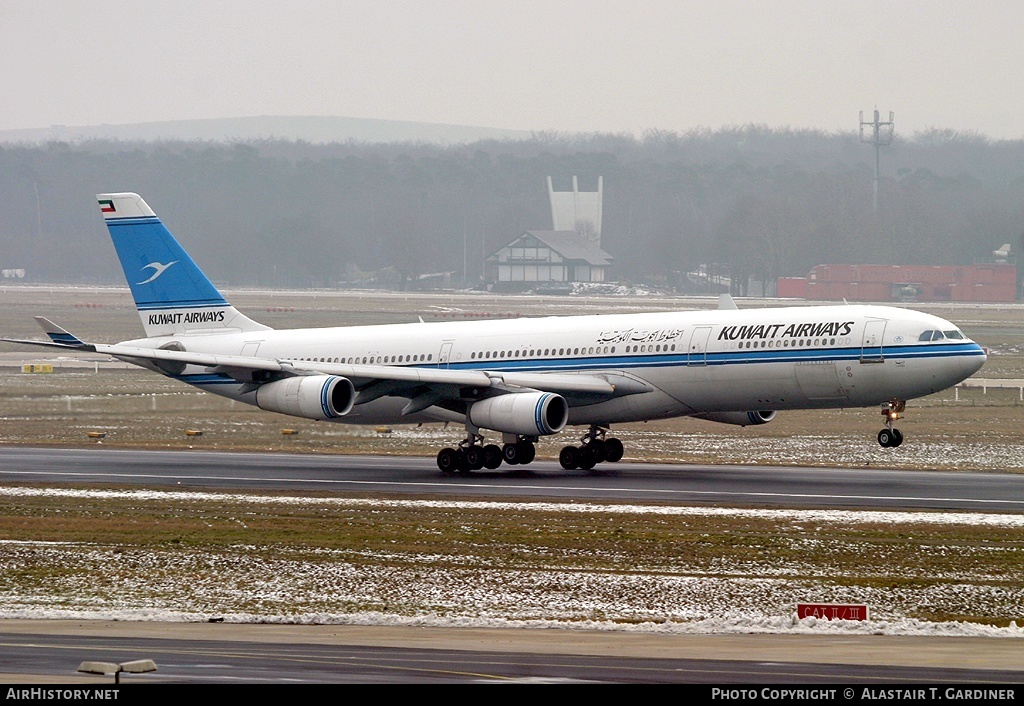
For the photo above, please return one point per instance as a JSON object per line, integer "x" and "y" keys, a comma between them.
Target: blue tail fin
{"x": 172, "y": 294}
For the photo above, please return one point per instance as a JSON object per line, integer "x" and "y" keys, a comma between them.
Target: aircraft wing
{"x": 434, "y": 385}
{"x": 358, "y": 374}
{"x": 372, "y": 381}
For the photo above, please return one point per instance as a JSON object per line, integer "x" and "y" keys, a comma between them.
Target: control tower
{"x": 577, "y": 210}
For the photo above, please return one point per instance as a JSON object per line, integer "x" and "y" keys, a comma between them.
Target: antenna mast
{"x": 880, "y": 136}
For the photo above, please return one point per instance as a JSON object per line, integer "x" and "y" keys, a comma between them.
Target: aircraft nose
{"x": 974, "y": 363}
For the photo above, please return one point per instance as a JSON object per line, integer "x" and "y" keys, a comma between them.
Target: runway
{"x": 48, "y": 651}
{"x": 732, "y": 485}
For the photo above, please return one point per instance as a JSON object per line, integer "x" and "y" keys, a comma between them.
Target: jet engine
{"x": 310, "y": 396}
{"x": 526, "y": 413}
{"x": 743, "y": 419}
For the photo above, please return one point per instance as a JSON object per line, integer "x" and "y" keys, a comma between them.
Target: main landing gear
{"x": 891, "y": 437}
{"x": 472, "y": 454}
{"x": 594, "y": 449}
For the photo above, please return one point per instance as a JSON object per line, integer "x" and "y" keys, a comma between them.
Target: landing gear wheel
{"x": 492, "y": 456}
{"x": 589, "y": 457}
{"x": 613, "y": 448}
{"x": 897, "y": 438}
{"x": 511, "y": 453}
{"x": 474, "y": 458}
{"x": 527, "y": 452}
{"x": 569, "y": 458}
{"x": 887, "y": 438}
{"x": 448, "y": 460}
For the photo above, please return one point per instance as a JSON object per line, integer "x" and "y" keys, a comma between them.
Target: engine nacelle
{"x": 526, "y": 413}
{"x": 309, "y": 396}
{"x": 743, "y": 419}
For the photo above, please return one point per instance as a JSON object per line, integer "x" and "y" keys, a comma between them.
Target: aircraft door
{"x": 871, "y": 347}
{"x": 444, "y": 355}
{"x": 698, "y": 351}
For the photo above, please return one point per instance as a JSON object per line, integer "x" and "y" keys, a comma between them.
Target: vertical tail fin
{"x": 171, "y": 293}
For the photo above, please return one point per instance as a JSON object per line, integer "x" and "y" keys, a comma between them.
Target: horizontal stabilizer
{"x": 59, "y": 338}
{"x": 57, "y": 334}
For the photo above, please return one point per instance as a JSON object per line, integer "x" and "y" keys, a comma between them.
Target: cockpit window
{"x": 939, "y": 335}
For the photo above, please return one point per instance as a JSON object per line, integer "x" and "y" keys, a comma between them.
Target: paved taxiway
{"x": 49, "y": 651}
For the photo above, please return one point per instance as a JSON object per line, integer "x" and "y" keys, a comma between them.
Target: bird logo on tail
{"x": 158, "y": 269}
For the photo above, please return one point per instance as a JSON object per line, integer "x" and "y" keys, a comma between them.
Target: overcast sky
{"x": 572, "y": 66}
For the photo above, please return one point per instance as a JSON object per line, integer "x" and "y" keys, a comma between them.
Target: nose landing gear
{"x": 891, "y": 437}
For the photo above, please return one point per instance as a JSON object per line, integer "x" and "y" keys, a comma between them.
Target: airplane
{"x": 528, "y": 378}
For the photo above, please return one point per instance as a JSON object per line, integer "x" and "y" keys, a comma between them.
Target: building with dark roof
{"x": 545, "y": 257}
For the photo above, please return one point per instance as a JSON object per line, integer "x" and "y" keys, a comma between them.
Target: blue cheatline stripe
{"x": 63, "y": 338}
{"x": 619, "y": 362}
{"x": 324, "y": 395}
{"x": 660, "y": 360}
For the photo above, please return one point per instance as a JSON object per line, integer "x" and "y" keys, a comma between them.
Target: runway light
{"x": 137, "y": 666}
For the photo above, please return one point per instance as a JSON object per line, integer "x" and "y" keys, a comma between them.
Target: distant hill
{"x": 309, "y": 128}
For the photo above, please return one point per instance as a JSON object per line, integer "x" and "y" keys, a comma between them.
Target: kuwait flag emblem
{"x": 106, "y": 206}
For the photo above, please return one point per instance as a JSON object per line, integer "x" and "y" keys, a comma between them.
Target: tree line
{"x": 754, "y": 202}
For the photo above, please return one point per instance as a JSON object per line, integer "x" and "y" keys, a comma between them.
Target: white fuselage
{"x": 689, "y": 363}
